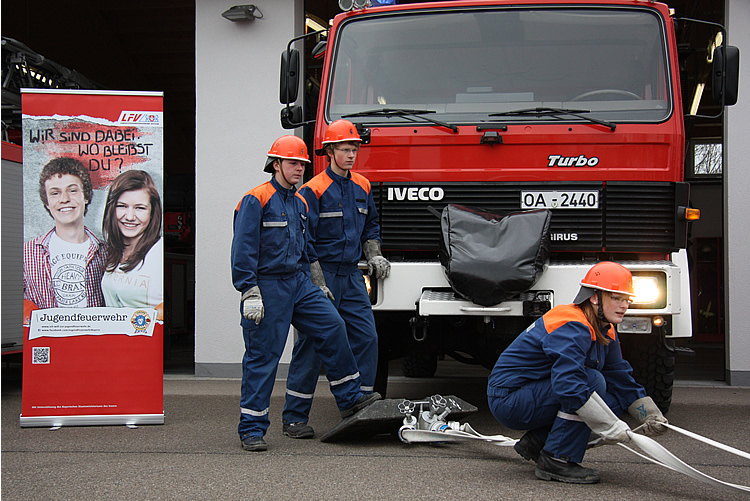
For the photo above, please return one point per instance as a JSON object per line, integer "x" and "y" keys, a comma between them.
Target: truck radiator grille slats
{"x": 640, "y": 216}
{"x": 632, "y": 217}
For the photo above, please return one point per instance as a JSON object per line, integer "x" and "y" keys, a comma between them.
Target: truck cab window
{"x": 467, "y": 64}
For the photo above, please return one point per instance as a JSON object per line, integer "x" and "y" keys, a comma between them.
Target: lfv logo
{"x": 140, "y": 117}
{"x": 415, "y": 193}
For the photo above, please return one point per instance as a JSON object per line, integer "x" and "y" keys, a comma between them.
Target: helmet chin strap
{"x": 600, "y": 311}
{"x": 281, "y": 171}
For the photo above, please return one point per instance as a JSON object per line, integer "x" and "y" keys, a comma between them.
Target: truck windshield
{"x": 483, "y": 65}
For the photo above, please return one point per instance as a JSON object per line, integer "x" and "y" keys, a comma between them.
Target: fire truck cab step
{"x": 446, "y": 302}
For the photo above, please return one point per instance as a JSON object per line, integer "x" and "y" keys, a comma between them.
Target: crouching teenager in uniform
{"x": 564, "y": 378}
{"x": 269, "y": 268}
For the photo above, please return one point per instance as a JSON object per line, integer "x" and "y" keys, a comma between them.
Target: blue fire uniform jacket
{"x": 560, "y": 346}
{"x": 336, "y": 233}
{"x": 269, "y": 236}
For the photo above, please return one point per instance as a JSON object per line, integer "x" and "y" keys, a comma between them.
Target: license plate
{"x": 560, "y": 199}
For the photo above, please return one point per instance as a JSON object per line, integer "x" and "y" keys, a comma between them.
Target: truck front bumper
{"x": 423, "y": 288}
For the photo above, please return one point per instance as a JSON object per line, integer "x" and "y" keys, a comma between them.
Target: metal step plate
{"x": 441, "y": 302}
{"x": 384, "y": 416}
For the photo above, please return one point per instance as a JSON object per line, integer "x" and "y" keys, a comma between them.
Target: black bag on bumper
{"x": 488, "y": 257}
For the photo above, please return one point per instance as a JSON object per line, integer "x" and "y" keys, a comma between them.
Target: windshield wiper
{"x": 402, "y": 112}
{"x": 553, "y": 112}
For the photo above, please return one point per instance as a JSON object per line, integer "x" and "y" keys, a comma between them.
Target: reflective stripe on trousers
{"x": 535, "y": 407}
{"x": 297, "y": 301}
{"x": 353, "y": 304}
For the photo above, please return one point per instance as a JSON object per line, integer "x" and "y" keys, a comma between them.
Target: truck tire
{"x": 653, "y": 359}
{"x": 419, "y": 364}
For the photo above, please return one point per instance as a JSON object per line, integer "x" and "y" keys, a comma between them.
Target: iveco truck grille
{"x": 640, "y": 216}
{"x": 632, "y": 217}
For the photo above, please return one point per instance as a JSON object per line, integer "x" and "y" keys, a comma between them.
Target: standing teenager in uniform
{"x": 564, "y": 377}
{"x": 343, "y": 223}
{"x": 269, "y": 264}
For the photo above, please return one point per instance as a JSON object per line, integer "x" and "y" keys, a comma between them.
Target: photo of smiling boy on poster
{"x": 64, "y": 267}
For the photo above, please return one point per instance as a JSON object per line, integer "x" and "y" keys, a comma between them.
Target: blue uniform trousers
{"x": 534, "y": 407}
{"x": 353, "y": 304}
{"x": 297, "y": 301}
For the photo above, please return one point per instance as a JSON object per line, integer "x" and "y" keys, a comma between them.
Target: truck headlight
{"x": 650, "y": 290}
{"x": 371, "y": 285}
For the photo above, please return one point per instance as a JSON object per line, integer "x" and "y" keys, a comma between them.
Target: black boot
{"x": 361, "y": 403}
{"x": 551, "y": 468}
{"x": 529, "y": 446}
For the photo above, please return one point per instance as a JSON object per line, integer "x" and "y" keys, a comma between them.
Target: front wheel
{"x": 653, "y": 359}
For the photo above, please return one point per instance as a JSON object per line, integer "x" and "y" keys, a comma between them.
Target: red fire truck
{"x": 568, "y": 105}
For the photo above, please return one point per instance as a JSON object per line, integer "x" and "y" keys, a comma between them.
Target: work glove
{"x": 252, "y": 305}
{"x": 602, "y": 421}
{"x": 648, "y": 414}
{"x": 377, "y": 265}
{"x": 316, "y": 274}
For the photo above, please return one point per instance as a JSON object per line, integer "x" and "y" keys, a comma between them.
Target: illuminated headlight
{"x": 371, "y": 286}
{"x": 650, "y": 290}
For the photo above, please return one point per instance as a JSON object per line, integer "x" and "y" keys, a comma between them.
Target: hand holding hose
{"x": 648, "y": 414}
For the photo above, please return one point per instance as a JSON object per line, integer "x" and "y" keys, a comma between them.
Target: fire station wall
{"x": 737, "y": 206}
{"x": 237, "y": 120}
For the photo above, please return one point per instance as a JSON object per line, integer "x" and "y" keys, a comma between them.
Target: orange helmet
{"x": 340, "y": 131}
{"x": 605, "y": 276}
{"x": 289, "y": 147}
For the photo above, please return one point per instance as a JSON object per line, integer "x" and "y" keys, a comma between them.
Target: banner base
{"x": 93, "y": 420}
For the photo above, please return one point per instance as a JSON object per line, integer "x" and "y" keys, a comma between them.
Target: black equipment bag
{"x": 488, "y": 257}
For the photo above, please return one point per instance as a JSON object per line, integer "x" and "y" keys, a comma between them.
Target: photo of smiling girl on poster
{"x": 131, "y": 228}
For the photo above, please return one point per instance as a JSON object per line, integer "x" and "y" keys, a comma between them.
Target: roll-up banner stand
{"x": 92, "y": 258}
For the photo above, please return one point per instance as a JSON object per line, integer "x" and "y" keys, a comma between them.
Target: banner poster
{"x": 93, "y": 258}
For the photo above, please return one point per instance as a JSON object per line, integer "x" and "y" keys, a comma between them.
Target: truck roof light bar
{"x": 347, "y": 5}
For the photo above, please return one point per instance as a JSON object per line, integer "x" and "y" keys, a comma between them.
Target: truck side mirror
{"x": 319, "y": 51}
{"x": 726, "y": 75}
{"x": 291, "y": 117}
{"x": 289, "y": 76}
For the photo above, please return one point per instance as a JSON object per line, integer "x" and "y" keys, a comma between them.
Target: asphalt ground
{"x": 196, "y": 454}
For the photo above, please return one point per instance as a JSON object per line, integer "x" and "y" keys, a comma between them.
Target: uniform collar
{"x": 336, "y": 177}
{"x": 609, "y": 330}
{"x": 281, "y": 189}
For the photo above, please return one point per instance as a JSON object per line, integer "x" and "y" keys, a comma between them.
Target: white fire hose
{"x": 429, "y": 426}
{"x": 661, "y": 456}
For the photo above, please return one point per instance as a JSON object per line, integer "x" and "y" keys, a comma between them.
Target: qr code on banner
{"x": 39, "y": 355}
